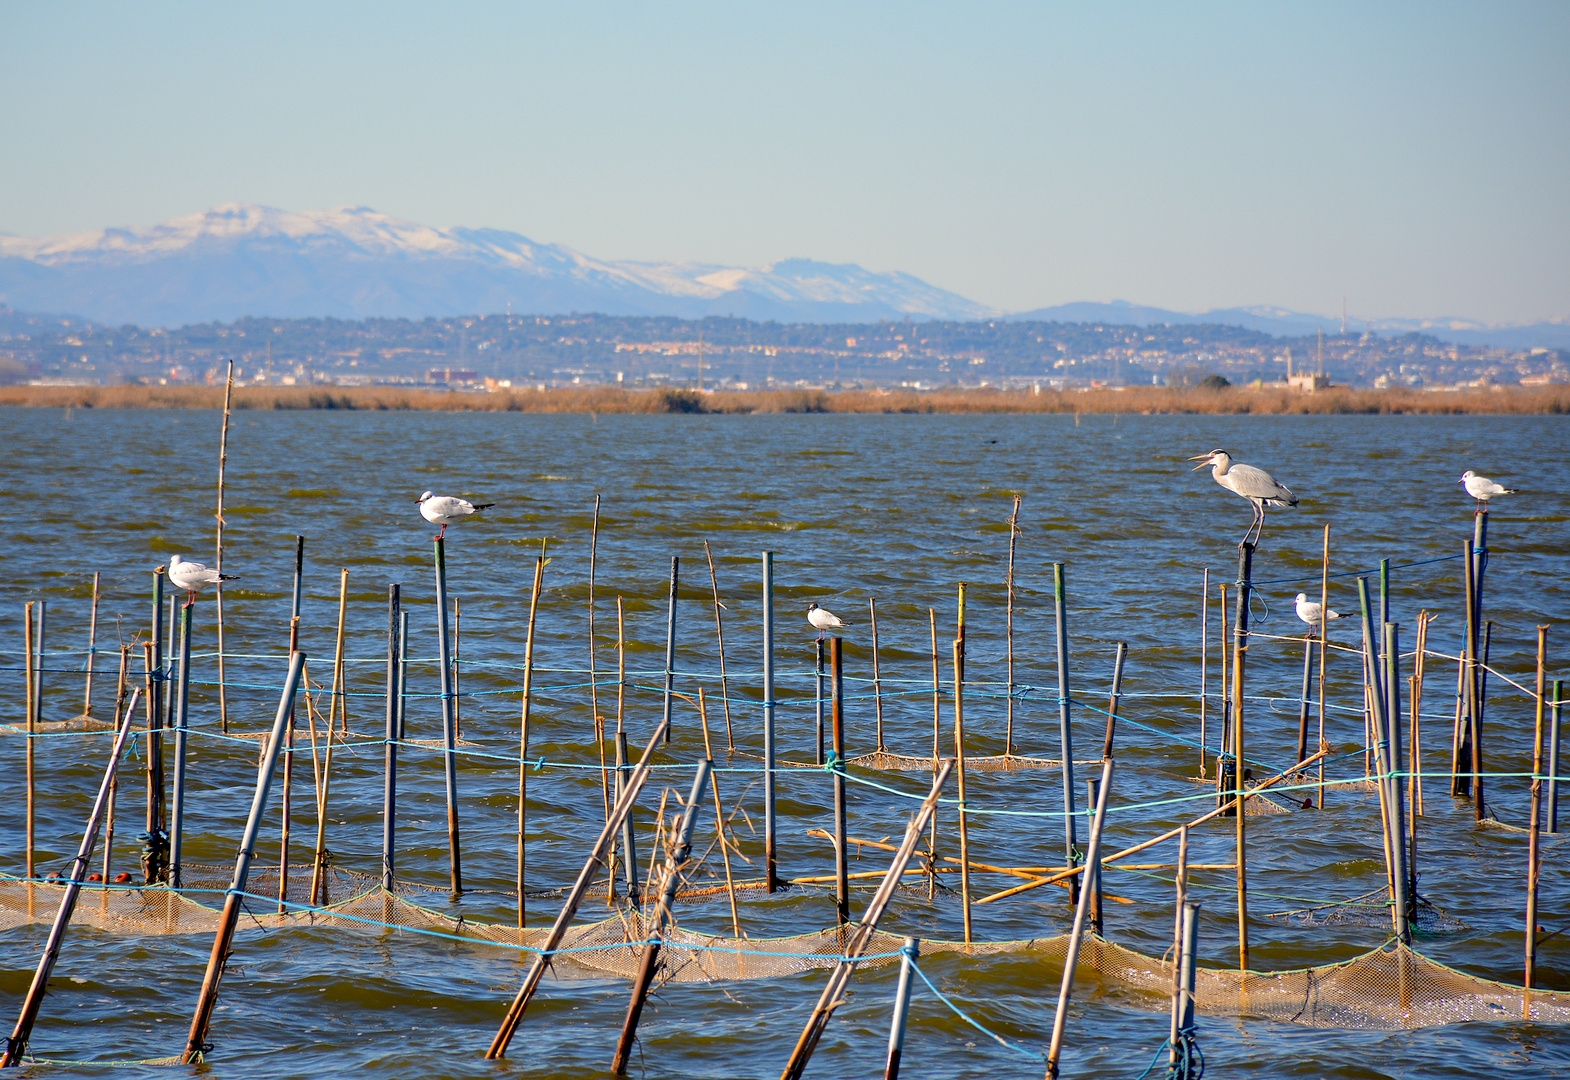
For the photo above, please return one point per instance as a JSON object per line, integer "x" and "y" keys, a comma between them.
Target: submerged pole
{"x": 1403, "y": 846}
{"x": 959, "y": 766}
{"x": 391, "y": 737}
{"x": 770, "y": 851}
{"x": 1008, "y": 630}
{"x": 719, "y": 637}
{"x": 449, "y": 724}
{"x": 523, "y": 729}
{"x": 16, "y": 1045}
{"x": 1204, "y": 664}
{"x": 629, "y": 853}
{"x": 877, "y": 673}
{"x": 218, "y": 560}
{"x": 907, "y": 962}
{"x": 818, "y": 702}
{"x": 196, "y": 1042}
{"x": 42, "y": 607}
{"x": 1065, "y": 728}
{"x": 1118, "y": 659}
{"x": 1302, "y": 706}
{"x": 32, "y": 731}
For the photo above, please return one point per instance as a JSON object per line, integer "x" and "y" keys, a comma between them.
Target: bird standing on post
{"x": 444, "y": 510}
{"x": 192, "y": 576}
{"x": 1308, "y": 610}
{"x": 1253, "y": 484}
{"x": 822, "y": 619}
{"x": 1482, "y": 488}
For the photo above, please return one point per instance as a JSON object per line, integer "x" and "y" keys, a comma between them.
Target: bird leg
{"x": 441, "y": 534}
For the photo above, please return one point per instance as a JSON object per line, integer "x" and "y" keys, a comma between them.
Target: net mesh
{"x": 1390, "y": 988}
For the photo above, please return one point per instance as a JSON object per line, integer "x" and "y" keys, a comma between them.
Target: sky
{"x": 1413, "y": 159}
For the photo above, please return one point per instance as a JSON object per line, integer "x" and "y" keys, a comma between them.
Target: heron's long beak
{"x": 1201, "y": 465}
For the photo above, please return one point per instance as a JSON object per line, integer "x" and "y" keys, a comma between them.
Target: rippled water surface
{"x": 900, "y": 509}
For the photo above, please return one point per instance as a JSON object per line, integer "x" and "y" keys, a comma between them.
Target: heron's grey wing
{"x": 1256, "y": 483}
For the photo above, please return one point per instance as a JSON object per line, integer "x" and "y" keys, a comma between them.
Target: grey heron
{"x": 822, "y": 619}
{"x": 1253, "y": 484}
{"x": 1482, "y": 488}
{"x": 445, "y": 510}
{"x": 192, "y": 576}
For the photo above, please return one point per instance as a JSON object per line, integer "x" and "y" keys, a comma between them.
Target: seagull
{"x": 444, "y": 510}
{"x": 192, "y": 576}
{"x": 1308, "y": 610}
{"x": 1482, "y": 488}
{"x": 1255, "y": 485}
{"x": 822, "y": 620}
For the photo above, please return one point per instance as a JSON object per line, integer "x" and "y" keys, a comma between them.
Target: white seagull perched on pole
{"x": 1255, "y": 485}
{"x": 1308, "y": 610}
{"x": 823, "y": 619}
{"x": 192, "y": 576}
{"x": 444, "y": 510}
{"x": 1482, "y": 488}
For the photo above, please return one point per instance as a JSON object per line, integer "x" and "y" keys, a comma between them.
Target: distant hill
{"x": 1554, "y": 334}
{"x": 353, "y": 263}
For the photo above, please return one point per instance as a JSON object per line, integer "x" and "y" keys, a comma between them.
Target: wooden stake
{"x": 959, "y": 757}
{"x": 1008, "y": 728}
{"x": 837, "y": 768}
{"x": 1324, "y": 602}
{"x": 877, "y": 674}
{"x": 1071, "y": 960}
{"x": 29, "y": 705}
{"x": 1204, "y": 663}
{"x": 92, "y": 652}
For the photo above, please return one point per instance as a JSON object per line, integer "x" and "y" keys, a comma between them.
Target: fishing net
{"x": 1391, "y": 988}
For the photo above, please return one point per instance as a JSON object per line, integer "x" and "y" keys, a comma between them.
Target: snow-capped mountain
{"x": 353, "y": 262}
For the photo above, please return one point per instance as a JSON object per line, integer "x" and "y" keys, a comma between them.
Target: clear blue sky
{"x": 1414, "y": 158}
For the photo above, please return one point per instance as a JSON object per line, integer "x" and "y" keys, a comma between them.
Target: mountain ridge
{"x": 353, "y": 262}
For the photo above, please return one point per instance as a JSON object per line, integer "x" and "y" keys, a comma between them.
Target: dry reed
{"x": 1138, "y": 400}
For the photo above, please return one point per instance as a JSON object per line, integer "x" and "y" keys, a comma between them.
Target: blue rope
{"x": 972, "y": 1021}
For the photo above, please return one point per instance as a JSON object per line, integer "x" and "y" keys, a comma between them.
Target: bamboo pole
{"x": 391, "y": 735}
{"x": 16, "y": 1045}
{"x": 1204, "y": 663}
{"x": 719, "y": 815}
{"x": 92, "y": 652}
{"x": 324, "y": 785}
{"x": 1008, "y": 730}
{"x": 181, "y": 735}
{"x": 841, "y": 858}
{"x": 42, "y": 607}
{"x": 196, "y": 1047}
{"x": 1533, "y": 856}
{"x": 1224, "y": 744}
{"x": 1231, "y": 804}
{"x": 1065, "y": 727}
{"x": 1415, "y": 696}
{"x": 531, "y": 982}
{"x": 32, "y": 730}
{"x": 122, "y": 711}
{"x": 1071, "y": 960}
{"x": 937, "y": 699}
{"x": 598, "y": 722}
{"x": 218, "y": 560}
{"x": 288, "y": 749}
{"x": 1554, "y": 733}
{"x": 770, "y": 851}
{"x": 1116, "y": 696}
{"x": 677, "y": 854}
{"x": 818, "y": 701}
{"x": 834, "y": 993}
{"x": 1245, "y": 566}
{"x": 959, "y": 768}
{"x": 457, "y": 665}
{"x": 670, "y": 646}
{"x": 877, "y": 673}
{"x": 156, "y": 854}
{"x": 719, "y": 635}
{"x": 629, "y": 850}
{"x": 1324, "y": 605}
{"x": 523, "y": 729}
{"x": 449, "y": 725}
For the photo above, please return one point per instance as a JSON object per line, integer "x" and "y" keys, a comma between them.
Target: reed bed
{"x": 1138, "y": 400}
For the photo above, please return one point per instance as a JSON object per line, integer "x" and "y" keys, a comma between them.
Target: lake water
{"x": 900, "y": 509}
